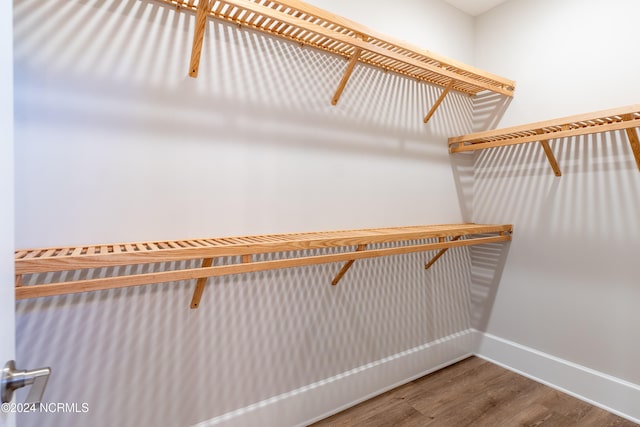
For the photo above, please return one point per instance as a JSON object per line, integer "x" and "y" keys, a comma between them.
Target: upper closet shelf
{"x": 286, "y": 250}
{"x": 626, "y": 118}
{"x": 312, "y": 26}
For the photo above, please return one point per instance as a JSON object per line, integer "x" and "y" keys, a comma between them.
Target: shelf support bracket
{"x": 440, "y": 253}
{"x": 551, "y": 157}
{"x": 632, "y": 134}
{"x": 347, "y": 74}
{"x": 208, "y": 262}
{"x": 347, "y": 265}
{"x": 197, "y": 292}
{"x": 204, "y": 7}
{"x": 439, "y": 101}
{"x": 635, "y": 144}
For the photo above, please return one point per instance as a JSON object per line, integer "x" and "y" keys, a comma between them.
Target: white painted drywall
{"x": 429, "y": 24}
{"x": 7, "y": 318}
{"x": 115, "y": 143}
{"x": 475, "y": 7}
{"x": 301, "y": 176}
{"x": 570, "y": 288}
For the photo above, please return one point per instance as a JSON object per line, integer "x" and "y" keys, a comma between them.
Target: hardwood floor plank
{"x": 359, "y": 413}
{"x": 475, "y": 393}
{"x": 597, "y": 417}
{"x": 565, "y": 404}
{"x": 532, "y": 416}
{"x": 506, "y": 397}
{"x": 398, "y": 414}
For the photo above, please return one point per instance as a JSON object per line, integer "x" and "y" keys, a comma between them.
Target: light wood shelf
{"x": 312, "y": 26}
{"x": 291, "y": 250}
{"x": 627, "y": 118}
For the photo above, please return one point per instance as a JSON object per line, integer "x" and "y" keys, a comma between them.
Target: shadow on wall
{"x": 140, "y": 356}
{"x": 487, "y": 111}
{"x": 487, "y": 261}
{"x": 248, "y": 82}
{"x": 572, "y": 264}
{"x": 487, "y": 265}
{"x": 462, "y": 165}
{"x": 600, "y": 181}
{"x": 596, "y": 200}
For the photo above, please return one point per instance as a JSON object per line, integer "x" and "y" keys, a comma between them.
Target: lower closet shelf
{"x": 252, "y": 252}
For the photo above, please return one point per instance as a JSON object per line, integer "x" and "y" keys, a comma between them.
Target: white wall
{"x": 424, "y": 23}
{"x": 570, "y": 287}
{"x": 7, "y": 321}
{"x": 116, "y": 143}
{"x": 326, "y": 161}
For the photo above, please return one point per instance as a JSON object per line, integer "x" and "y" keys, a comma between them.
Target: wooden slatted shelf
{"x": 291, "y": 250}
{"x": 627, "y": 118}
{"x": 312, "y": 26}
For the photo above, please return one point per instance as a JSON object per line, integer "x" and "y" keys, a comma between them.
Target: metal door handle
{"x": 13, "y": 379}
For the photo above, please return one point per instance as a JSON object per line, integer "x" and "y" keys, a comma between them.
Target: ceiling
{"x": 475, "y": 7}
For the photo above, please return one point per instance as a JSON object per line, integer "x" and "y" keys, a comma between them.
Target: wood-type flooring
{"x": 476, "y": 393}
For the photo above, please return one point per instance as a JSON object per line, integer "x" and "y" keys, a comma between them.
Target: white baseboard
{"x": 324, "y": 398}
{"x": 605, "y": 391}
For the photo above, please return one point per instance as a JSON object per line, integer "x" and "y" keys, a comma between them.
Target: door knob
{"x": 13, "y": 379}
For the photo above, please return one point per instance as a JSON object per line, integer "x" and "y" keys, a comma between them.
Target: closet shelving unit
{"x": 627, "y": 118}
{"x": 68, "y": 269}
{"x": 282, "y": 250}
{"x": 312, "y": 26}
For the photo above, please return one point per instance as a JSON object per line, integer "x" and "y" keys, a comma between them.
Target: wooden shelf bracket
{"x": 440, "y": 253}
{"x": 347, "y": 74}
{"x": 347, "y": 265}
{"x": 549, "y": 153}
{"x": 202, "y": 281}
{"x": 439, "y": 101}
{"x": 552, "y": 159}
{"x": 632, "y": 134}
{"x": 202, "y": 11}
{"x": 199, "y": 289}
